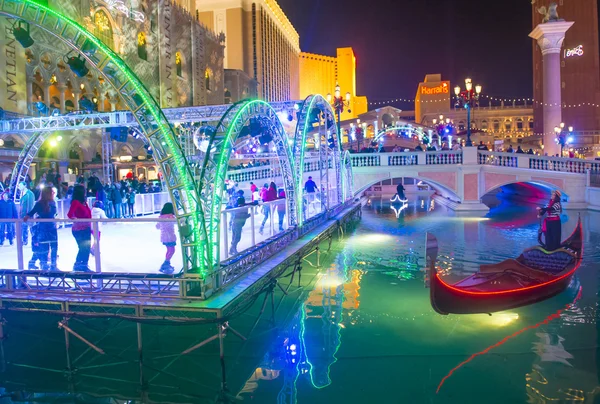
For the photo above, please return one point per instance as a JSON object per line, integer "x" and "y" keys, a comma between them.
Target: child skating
{"x": 167, "y": 236}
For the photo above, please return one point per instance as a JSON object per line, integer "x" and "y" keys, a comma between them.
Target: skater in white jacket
{"x": 97, "y": 213}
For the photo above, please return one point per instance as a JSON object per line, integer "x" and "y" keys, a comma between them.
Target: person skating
{"x": 97, "y": 213}
{"x": 167, "y": 236}
{"x": 26, "y": 203}
{"x": 82, "y": 231}
{"x": 8, "y": 210}
{"x": 44, "y": 237}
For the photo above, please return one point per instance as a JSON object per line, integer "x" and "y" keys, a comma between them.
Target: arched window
{"x": 178, "y": 63}
{"x": 484, "y": 125}
{"x": 142, "y": 51}
{"x": 507, "y": 126}
{"x": 461, "y": 125}
{"x": 207, "y": 77}
{"x": 520, "y": 124}
{"x": 103, "y": 28}
{"x": 227, "y": 96}
{"x": 531, "y": 124}
{"x": 496, "y": 125}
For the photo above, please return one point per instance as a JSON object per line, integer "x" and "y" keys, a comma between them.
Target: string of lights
{"x": 531, "y": 101}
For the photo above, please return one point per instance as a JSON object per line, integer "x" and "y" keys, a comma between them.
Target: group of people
{"x": 268, "y": 193}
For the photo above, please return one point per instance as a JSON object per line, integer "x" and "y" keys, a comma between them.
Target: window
{"x": 178, "y": 63}
{"x": 207, "y": 77}
{"x": 484, "y": 125}
{"x": 142, "y": 51}
{"x": 103, "y": 29}
{"x": 507, "y": 126}
{"x": 496, "y": 126}
{"x": 520, "y": 124}
{"x": 531, "y": 124}
{"x": 227, "y": 96}
{"x": 461, "y": 125}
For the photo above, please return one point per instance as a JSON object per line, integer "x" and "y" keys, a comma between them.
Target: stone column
{"x": 76, "y": 95}
{"x": 550, "y": 37}
{"x": 63, "y": 89}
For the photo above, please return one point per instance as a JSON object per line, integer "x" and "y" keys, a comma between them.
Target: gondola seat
{"x": 554, "y": 262}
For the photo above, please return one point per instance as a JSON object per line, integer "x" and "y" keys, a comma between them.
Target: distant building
{"x": 259, "y": 40}
{"x": 239, "y": 86}
{"x": 579, "y": 66}
{"x": 319, "y": 75}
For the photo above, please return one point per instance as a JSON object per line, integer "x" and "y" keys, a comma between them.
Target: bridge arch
{"x": 548, "y": 187}
{"x": 316, "y": 109}
{"x": 216, "y": 160}
{"x": 437, "y": 186}
{"x": 150, "y": 118}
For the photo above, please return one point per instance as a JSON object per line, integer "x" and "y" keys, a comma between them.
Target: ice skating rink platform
{"x": 125, "y": 280}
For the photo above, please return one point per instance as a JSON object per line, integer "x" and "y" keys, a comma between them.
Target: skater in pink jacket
{"x": 167, "y": 236}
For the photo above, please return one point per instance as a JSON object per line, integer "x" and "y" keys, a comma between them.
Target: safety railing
{"x": 444, "y": 157}
{"x": 497, "y": 159}
{"x": 542, "y": 163}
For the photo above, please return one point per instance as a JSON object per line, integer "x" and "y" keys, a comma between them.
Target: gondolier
{"x": 551, "y": 224}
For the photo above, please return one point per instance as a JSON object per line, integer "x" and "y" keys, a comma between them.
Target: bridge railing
{"x": 412, "y": 158}
{"x": 542, "y": 163}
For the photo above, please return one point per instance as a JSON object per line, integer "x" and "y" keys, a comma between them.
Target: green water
{"x": 376, "y": 339}
{"x": 361, "y": 330}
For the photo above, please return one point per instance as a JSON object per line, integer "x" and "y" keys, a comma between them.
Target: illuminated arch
{"x": 216, "y": 162}
{"x": 299, "y": 145}
{"x": 410, "y": 128}
{"x": 151, "y": 120}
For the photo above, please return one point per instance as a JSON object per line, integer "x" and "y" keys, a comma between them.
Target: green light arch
{"x": 299, "y": 148}
{"x": 216, "y": 162}
{"x": 151, "y": 120}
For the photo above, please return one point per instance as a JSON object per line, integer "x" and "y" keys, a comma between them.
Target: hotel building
{"x": 259, "y": 40}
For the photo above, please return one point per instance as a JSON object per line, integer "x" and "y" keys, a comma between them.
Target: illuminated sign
{"x": 120, "y": 6}
{"x": 577, "y": 51}
{"x": 441, "y": 89}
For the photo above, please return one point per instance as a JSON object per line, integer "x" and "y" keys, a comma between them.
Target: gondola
{"x": 534, "y": 276}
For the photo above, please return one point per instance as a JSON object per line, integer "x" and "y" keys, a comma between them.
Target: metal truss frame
{"x": 216, "y": 162}
{"x": 98, "y": 120}
{"x": 299, "y": 148}
{"x": 348, "y": 175}
{"x": 145, "y": 110}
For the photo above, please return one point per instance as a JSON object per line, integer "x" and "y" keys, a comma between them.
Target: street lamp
{"x": 467, "y": 99}
{"x": 338, "y": 103}
{"x": 563, "y": 137}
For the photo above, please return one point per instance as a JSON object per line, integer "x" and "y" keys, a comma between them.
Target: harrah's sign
{"x": 576, "y": 51}
{"x": 441, "y": 89}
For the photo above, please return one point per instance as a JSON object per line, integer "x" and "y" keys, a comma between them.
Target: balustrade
{"x": 444, "y": 157}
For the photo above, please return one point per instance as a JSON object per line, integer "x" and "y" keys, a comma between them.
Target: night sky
{"x": 397, "y": 42}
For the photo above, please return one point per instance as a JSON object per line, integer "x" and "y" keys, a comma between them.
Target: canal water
{"x": 362, "y": 332}
{"x": 367, "y": 333}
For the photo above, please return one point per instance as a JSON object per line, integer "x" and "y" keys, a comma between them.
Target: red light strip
{"x": 504, "y": 340}
{"x": 502, "y": 292}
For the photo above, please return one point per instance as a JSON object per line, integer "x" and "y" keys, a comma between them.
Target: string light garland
{"x": 490, "y": 98}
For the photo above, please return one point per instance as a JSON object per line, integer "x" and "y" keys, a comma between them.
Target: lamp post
{"x": 467, "y": 99}
{"x": 563, "y": 137}
{"x": 338, "y": 103}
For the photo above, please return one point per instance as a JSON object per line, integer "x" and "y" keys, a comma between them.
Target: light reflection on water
{"x": 367, "y": 332}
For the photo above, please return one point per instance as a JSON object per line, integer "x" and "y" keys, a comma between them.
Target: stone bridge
{"x": 464, "y": 177}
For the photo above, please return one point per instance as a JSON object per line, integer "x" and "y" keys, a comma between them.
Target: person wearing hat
{"x": 551, "y": 225}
